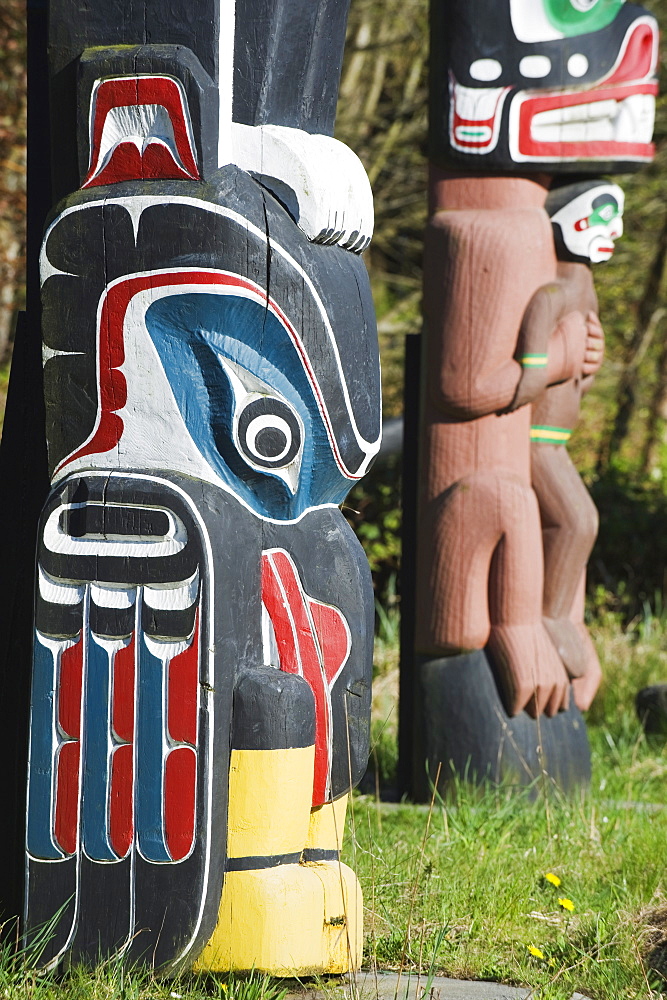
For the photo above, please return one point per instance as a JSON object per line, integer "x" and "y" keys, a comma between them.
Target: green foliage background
{"x": 620, "y": 444}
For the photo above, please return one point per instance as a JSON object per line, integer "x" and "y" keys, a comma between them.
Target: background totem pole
{"x": 524, "y": 95}
{"x": 202, "y": 639}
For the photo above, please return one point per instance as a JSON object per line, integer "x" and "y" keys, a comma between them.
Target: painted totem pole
{"x": 203, "y": 613}
{"x": 524, "y": 94}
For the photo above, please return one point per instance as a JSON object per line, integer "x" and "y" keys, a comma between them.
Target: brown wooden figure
{"x": 586, "y": 218}
{"x": 521, "y": 91}
{"x": 202, "y": 640}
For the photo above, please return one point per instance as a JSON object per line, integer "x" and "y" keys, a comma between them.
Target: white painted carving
{"x": 320, "y": 181}
{"x": 485, "y": 70}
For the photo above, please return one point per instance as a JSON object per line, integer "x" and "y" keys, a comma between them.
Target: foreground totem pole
{"x": 203, "y": 613}
{"x": 524, "y": 95}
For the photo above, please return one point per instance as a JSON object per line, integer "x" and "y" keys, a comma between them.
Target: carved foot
{"x": 289, "y": 907}
{"x": 529, "y": 669}
{"x": 567, "y": 639}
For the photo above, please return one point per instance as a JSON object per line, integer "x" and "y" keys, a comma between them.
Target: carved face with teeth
{"x": 545, "y": 84}
{"x": 587, "y": 218}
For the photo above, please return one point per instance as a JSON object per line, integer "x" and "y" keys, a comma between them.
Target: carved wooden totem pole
{"x": 524, "y": 95}
{"x": 203, "y": 614}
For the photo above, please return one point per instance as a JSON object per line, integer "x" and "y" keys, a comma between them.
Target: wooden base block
{"x": 462, "y": 724}
{"x": 292, "y": 920}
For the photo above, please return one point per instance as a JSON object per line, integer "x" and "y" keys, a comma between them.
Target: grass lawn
{"x": 460, "y": 888}
{"x": 553, "y": 894}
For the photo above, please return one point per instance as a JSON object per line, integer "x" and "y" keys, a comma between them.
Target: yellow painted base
{"x": 327, "y": 825}
{"x": 269, "y": 801}
{"x": 292, "y": 920}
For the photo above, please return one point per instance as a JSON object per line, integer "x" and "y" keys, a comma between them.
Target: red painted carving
{"x": 69, "y": 691}
{"x": 183, "y": 692}
{"x": 67, "y": 796}
{"x": 179, "y": 801}
{"x": 121, "y": 812}
{"x": 66, "y": 819}
{"x": 313, "y": 641}
{"x": 123, "y": 693}
{"x": 147, "y": 151}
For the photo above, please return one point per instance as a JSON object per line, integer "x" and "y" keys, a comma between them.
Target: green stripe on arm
{"x": 543, "y": 434}
{"x": 534, "y": 360}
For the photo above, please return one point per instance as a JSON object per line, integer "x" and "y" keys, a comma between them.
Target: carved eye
{"x": 548, "y": 20}
{"x": 269, "y": 432}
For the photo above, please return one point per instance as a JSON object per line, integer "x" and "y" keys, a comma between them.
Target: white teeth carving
{"x": 636, "y": 117}
{"x": 141, "y": 125}
{"x": 321, "y": 182}
{"x": 476, "y": 103}
{"x": 173, "y": 596}
{"x": 481, "y": 109}
{"x": 630, "y": 120}
{"x": 58, "y": 591}
{"x": 112, "y": 597}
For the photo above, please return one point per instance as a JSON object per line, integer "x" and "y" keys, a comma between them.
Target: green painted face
{"x": 604, "y": 214}
{"x": 579, "y": 17}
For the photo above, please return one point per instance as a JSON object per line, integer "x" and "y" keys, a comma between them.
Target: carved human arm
{"x": 552, "y": 343}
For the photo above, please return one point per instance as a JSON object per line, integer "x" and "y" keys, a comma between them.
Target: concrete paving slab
{"x": 383, "y": 986}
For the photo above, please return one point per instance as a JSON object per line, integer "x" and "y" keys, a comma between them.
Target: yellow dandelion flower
{"x": 535, "y": 952}
{"x": 550, "y": 877}
{"x": 566, "y": 903}
{"x": 552, "y": 962}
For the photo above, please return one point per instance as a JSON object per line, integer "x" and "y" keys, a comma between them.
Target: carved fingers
{"x": 546, "y": 695}
{"x": 594, "y": 350}
{"x": 530, "y": 671}
{"x": 585, "y": 687}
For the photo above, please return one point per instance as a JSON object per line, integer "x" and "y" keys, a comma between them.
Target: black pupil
{"x": 271, "y": 442}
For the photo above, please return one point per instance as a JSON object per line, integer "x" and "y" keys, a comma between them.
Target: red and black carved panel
{"x": 123, "y": 747}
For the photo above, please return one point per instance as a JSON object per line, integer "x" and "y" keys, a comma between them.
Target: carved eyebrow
{"x": 530, "y": 22}
{"x": 605, "y": 199}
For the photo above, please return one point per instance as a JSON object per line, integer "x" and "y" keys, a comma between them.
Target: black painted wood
{"x": 272, "y": 711}
{"x": 408, "y": 721}
{"x": 465, "y": 32}
{"x": 287, "y": 63}
{"x": 469, "y": 735}
{"x": 190, "y": 331}
{"x": 23, "y": 478}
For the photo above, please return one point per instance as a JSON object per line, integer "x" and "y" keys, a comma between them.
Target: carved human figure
{"x": 586, "y": 219}
{"x": 521, "y": 93}
{"x": 482, "y": 578}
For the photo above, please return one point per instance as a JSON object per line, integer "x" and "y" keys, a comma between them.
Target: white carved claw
{"x": 319, "y": 180}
